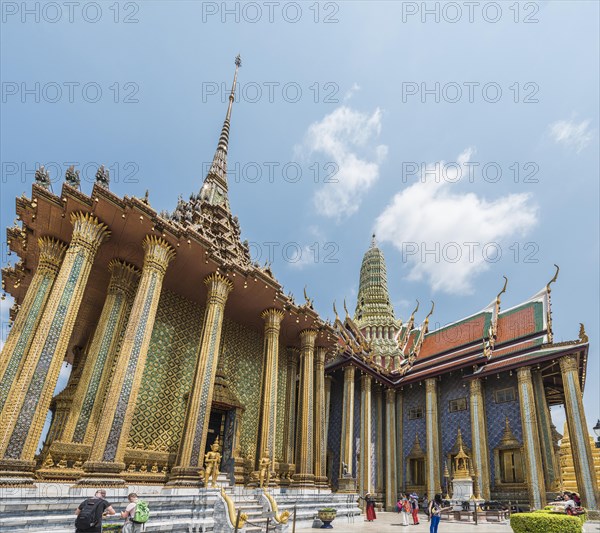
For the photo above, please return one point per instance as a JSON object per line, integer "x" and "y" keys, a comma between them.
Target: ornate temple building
{"x": 178, "y": 339}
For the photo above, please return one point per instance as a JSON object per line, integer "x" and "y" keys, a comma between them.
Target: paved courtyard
{"x": 388, "y": 522}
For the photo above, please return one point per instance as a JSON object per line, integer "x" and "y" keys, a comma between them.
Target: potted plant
{"x": 327, "y": 515}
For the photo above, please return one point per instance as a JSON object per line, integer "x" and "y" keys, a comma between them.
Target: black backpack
{"x": 88, "y": 517}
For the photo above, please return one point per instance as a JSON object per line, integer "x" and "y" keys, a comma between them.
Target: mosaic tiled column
{"x": 551, "y": 469}
{"x": 320, "y": 445}
{"x": 391, "y": 484}
{"x": 531, "y": 440}
{"x": 379, "y": 445}
{"x": 365, "y": 468}
{"x": 293, "y": 355}
{"x": 266, "y": 444}
{"x": 399, "y": 441}
{"x": 578, "y": 432}
{"x": 23, "y": 329}
{"x": 108, "y": 449}
{"x": 85, "y": 410}
{"x": 328, "y": 380}
{"x": 347, "y": 437}
{"x": 434, "y": 485}
{"x": 481, "y": 457}
{"x": 305, "y": 476}
{"x": 193, "y": 441}
{"x": 24, "y": 413}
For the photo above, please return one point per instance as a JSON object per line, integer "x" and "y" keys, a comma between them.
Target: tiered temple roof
{"x": 483, "y": 344}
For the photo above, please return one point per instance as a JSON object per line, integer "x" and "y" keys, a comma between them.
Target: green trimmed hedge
{"x": 546, "y": 522}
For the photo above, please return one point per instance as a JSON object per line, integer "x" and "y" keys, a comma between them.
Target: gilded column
{"x": 320, "y": 445}
{"x": 365, "y": 478}
{"x": 108, "y": 449}
{"x": 434, "y": 485}
{"x": 328, "y": 380}
{"x": 479, "y": 439}
{"x": 24, "y": 414}
{"x": 531, "y": 439}
{"x": 305, "y": 433}
{"x": 379, "y": 481}
{"x": 347, "y": 437}
{"x": 391, "y": 483}
{"x": 193, "y": 441}
{"x": 27, "y": 319}
{"x": 266, "y": 444}
{"x": 551, "y": 469}
{"x": 290, "y": 406}
{"x": 580, "y": 441}
{"x": 87, "y": 400}
{"x": 399, "y": 441}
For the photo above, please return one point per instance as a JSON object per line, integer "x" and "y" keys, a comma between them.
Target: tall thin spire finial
{"x": 215, "y": 184}
{"x": 373, "y": 241}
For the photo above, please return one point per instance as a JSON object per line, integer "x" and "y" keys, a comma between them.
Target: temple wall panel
{"x": 452, "y": 388}
{"x": 496, "y": 414}
{"x": 413, "y": 397}
{"x": 335, "y": 427}
{"x": 242, "y": 353}
{"x": 160, "y": 410}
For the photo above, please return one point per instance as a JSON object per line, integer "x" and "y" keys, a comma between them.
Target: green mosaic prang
{"x": 90, "y": 394}
{"x": 160, "y": 408}
{"x": 22, "y": 426}
{"x": 25, "y": 338}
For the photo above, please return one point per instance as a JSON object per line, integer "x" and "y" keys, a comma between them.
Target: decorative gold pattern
{"x": 23, "y": 416}
{"x": 531, "y": 439}
{"x": 115, "y": 422}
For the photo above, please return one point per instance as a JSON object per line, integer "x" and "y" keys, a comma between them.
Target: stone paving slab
{"x": 392, "y": 523}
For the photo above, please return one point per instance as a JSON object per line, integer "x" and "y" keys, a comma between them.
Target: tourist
{"x": 570, "y": 505}
{"x": 577, "y": 499}
{"x": 435, "y": 511}
{"x": 406, "y": 510}
{"x": 129, "y": 513}
{"x": 91, "y": 511}
{"x": 414, "y": 508}
{"x": 369, "y": 507}
{"x": 426, "y": 506}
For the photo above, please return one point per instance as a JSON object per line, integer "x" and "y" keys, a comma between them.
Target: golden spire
{"x": 215, "y": 184}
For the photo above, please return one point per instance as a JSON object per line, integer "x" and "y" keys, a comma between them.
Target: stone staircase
{"x": 199, "y": 511}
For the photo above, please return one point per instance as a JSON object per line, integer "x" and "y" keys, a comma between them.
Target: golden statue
{"x": 212, "y": 461}
{"x": 144, "y": 468}
{"x": 154, "y": 468}
{"x": 48, "y": 463}
{"x": 78, "y": 463}
{"x": 264, "y": 469}
{"x": 63, "y": 462}
{"x": 131, "y": 467}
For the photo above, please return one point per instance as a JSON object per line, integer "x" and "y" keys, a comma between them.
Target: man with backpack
{"x": 136, "y": 514}
{"x": 90, "y": 513}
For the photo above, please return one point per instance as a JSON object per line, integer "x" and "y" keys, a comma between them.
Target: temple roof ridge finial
{"x": 373, "y": 241}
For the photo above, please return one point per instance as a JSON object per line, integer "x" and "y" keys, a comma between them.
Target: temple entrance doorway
{"x": 216, "y": 428}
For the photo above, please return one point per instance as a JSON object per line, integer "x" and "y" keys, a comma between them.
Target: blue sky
{"x": 437, "y": 129}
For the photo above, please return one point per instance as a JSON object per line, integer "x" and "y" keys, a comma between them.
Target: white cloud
{"x": 352, "y": 91}
{"x": 448, "y": 237}
{"x": 572, "y": 134}
{"x": 340, "y": 136}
